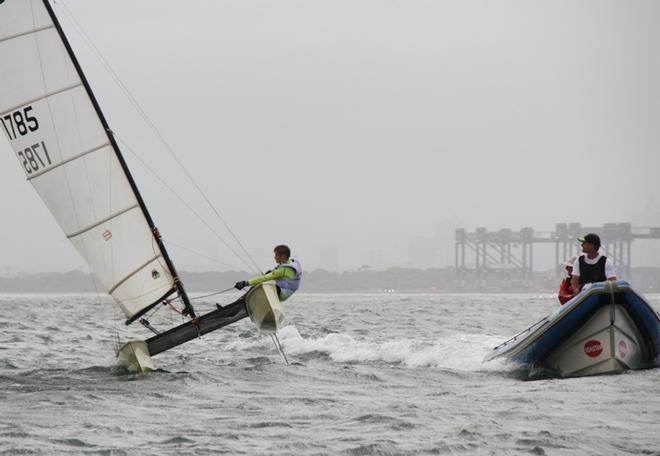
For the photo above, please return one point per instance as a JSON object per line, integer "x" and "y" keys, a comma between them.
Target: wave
{"x": 464, "y": 352}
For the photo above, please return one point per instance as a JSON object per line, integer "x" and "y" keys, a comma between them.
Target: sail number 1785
{"x": 35, "y": 157}
{"x": 19, "y": 123}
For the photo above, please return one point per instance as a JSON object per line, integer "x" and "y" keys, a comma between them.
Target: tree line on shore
{"x": 314, "y": 281}
{"x": 321, "y": 281}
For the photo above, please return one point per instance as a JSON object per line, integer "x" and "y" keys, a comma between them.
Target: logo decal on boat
{"x": 623, "y": 348}
{"x": 593, "y": 348}
{"x": 107, "y": 235}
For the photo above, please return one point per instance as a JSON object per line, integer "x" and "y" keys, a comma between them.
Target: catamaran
{"x": 68, "y": 152}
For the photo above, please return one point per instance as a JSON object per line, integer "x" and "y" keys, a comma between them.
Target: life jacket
{"x": 591, "y": 273}
{"x": 286, "y": 286}
{"x": 565, "y": 291}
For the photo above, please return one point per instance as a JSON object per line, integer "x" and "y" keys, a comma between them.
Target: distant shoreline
{"x": 398, "y": 280}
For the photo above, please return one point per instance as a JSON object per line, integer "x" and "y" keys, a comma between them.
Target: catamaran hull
{"x": 605, "y": 329}
{"x": 134, "y": 356}
{"x": 261, "y": 303}
{"x": 263, "y": 306}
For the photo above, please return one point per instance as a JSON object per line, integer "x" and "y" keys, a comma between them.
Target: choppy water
{"x": 371, "y": 374}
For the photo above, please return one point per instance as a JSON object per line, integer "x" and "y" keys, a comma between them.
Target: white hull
{"x": 263, "y": 306}
{"x": 608, "y": 343}
{"x": 607, "y": 328}
{"x": 134, "y": 356}
{"x": 261, "y": 303}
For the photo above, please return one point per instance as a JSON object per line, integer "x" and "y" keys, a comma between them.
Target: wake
{"x": 464, "y": 352}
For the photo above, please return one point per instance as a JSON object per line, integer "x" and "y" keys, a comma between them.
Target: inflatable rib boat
{"x": 607, "y": 328}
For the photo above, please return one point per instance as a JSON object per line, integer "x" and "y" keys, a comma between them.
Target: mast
{"x": 156, "y": 234}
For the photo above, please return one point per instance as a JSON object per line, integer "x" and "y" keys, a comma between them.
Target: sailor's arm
{"x": 609, "y": 270}
{"x": 575, "y": 282}
{"x": 277, "y": 273}
{"x": 575, "y": 275}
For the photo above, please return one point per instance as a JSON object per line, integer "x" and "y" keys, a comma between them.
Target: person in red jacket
{"x": 566, "y": 291}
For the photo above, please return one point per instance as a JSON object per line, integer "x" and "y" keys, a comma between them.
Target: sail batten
{"x": 101, "y": 222}
{"x": 131, "y": 274}
{"x": 40, "y": 98}
{"x": 79, "y": 156}
{"x": 63, "y": 143}
{"x": 27, "y": 32}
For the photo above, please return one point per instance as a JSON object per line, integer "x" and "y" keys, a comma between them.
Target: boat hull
{"x": 607, "y": 343}
{"x": 263, "y": 306}
{"x": 134, "y": 357}
{"x": 605, "y": 329}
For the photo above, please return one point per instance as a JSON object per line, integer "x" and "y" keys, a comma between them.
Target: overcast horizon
{"x": 359, "y": 132}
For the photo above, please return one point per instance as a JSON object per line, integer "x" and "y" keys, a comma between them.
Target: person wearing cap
{"x": 566, "y": 291}
{"x": 591, "y": 267}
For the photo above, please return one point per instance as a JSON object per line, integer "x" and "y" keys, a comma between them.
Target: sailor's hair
{"x": 282, "y": 250}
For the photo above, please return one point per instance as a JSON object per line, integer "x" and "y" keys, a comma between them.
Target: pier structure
{"x": 508, "y": 256}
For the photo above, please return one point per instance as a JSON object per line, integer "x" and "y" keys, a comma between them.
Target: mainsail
{"x": 67, "y": 151}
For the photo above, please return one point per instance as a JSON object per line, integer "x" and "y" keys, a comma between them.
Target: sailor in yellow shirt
{"x": 287, "y": 274}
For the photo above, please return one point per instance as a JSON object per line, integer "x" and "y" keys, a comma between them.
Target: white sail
{"x": 66, "y": 154}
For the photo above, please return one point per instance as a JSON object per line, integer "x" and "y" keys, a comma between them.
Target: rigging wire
{"x": 182, "y": 201}
{"x": 201, "y": 255}
{"x": 153, "y": 127}
{"x": 212, "y": 294}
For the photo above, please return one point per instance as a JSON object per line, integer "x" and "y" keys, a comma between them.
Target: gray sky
{"x": 351, "y": 129}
